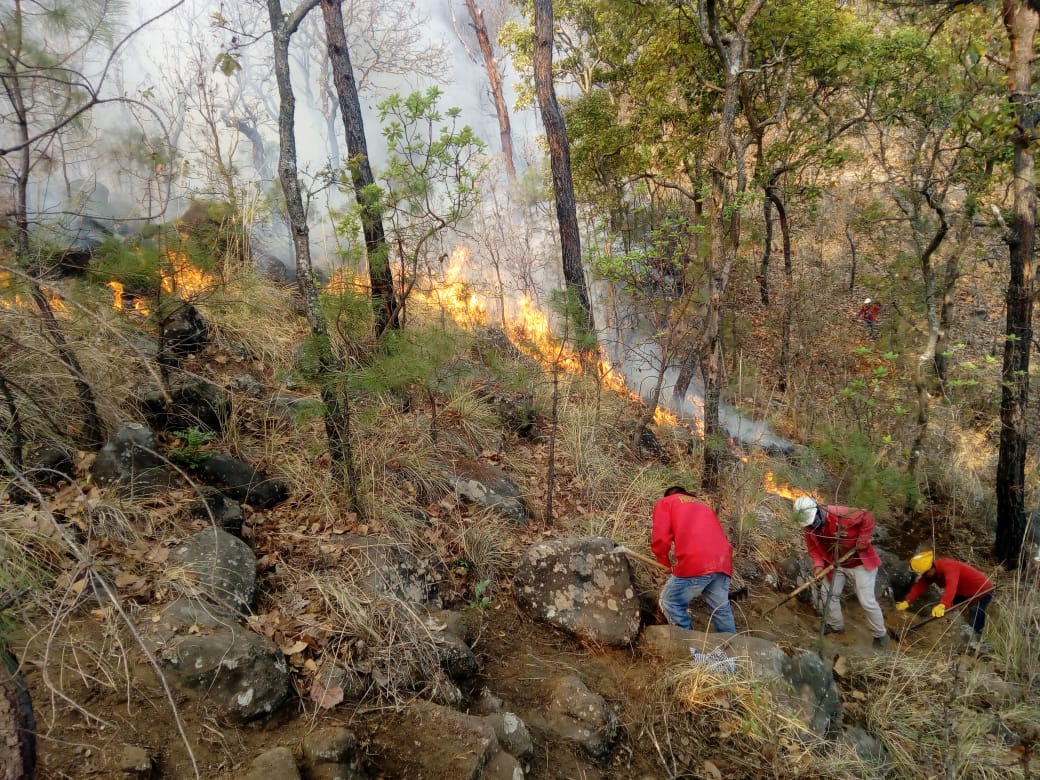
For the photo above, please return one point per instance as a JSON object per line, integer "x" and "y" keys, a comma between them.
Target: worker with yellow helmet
{"x": 959, "y": 581}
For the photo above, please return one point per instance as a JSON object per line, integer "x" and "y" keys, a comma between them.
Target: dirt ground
{"x": 94, "y": 695}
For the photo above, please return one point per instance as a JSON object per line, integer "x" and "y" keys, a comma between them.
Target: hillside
{"x": 373, "y": 662}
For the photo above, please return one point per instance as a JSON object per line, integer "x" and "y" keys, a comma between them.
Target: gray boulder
{"x": 193, "y": 403}
{"x": 274, "y": 764}
{"x": 332, "y": 754}
{"x": 489, "y": 487}
{"x": 131, "y": 459}
{"x": 581, "y": 587}
{"x": 393, "y": 570}
{"x": 240, "y": 480}
{"x": 223, "y": 568}
{"x": 800, "y": 680}
{"x": 581, "y": 716}
{"x": 202, "y": 649}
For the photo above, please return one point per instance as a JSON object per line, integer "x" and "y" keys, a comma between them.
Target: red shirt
{"x": 848, "y": 527}
{"x": 956, "y": 579}
{"x": 701, "y": 546}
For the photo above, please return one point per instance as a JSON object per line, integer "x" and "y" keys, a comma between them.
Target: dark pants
{"x": 976, "y": 611}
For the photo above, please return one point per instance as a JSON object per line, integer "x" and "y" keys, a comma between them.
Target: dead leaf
{"x": 326, "y": 697}
{"x": 841, "y": 666}
{"x": 711, "y": 769}
{"x": 158, "y": 554}
{"x": 126, "y": 579}
{"x": 294, "y": 648}
{"x": 78, "y": 586}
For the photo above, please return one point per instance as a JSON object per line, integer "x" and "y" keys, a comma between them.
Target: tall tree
{"x": 495, "y": 83}
{"x": 1021, "y": 19}
{"x": 385, "y": 307}
{"x": 560, "y": 162}
{"x": 337, "y": 421}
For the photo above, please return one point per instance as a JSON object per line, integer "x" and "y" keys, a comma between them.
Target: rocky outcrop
{"x": 800, "y": 679}
{"x": 332, "y": 754}
{"x": 191, "y": 403}
{"x": 391, "y": 569}
{"x": 581, "y": 586}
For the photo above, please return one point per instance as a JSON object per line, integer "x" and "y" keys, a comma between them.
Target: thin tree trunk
{"x": 337, "y": 423}
{"x": 505, "y": 133}
{"x": 1020, "y": 21}
{"x": 384, "y": 303}
{"x": 852, "y": 252}
{"x": 560, "y": 162}
{"x": 767, "y": 252}
{"x": 788, "y": 313}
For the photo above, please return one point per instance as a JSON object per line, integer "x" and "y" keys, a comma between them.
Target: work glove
{"x": 901, "y": 605}
{"x": 938, "y": 610}
{"x": 817, "y": 571}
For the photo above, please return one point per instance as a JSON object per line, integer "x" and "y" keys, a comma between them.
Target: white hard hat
{"x": 805, "y": 508}
{"x": 867, "y": 301}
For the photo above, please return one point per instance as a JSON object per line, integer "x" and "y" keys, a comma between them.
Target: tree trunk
{"x": 560, "y": 162}
{"x": 767, "y": 252}
{"x": 788, "y": 314}
{"x": 337, "y": 424}
{"x": 1020, "y": 21}
{"x": 380, "y": 273}
{"x": 505, "y": 133}
{"x": 731, "y": 48}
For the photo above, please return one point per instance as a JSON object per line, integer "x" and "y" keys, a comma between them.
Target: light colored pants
{"x": 865, "y": 582}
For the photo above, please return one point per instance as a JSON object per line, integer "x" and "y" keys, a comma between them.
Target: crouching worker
{"x": 703, "y": 559}
{"x": 959, "y": 581}
{"x": 832, "y": 532}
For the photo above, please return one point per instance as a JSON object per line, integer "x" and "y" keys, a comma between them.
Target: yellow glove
{"x": 901, "y": 605}
{"x": 938, "y": 610}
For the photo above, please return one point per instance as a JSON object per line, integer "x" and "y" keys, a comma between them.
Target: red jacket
{"x": 701, "y": 546}
{"x": 957, "y": 580}
{"x": 849, "y": 527}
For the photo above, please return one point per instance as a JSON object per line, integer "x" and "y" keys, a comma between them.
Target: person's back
{"x": 701, "y": 546}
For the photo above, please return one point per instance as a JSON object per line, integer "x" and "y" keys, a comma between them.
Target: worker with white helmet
{"x": 831, "y": 532}
{"x": 959, "y": 581}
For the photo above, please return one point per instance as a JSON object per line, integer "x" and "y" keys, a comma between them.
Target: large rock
{"x": 202, "y": 649}
{"x": 393, "y": 570}
{"x": 131, "y": 459}
{"x": 332, "y": 754}
{"x": 431, "y": 742}
{"x": 240, "y": 480}
{"x": 274, "y": 764}
{"x": 799, "y": 678}
{"x": 222, "y": 566}
{"x": 581, "y": 716}
{"x": 193, "y": 403}
{"x": 489, "y": 487}
{"x": 580, "y": 586}
{"x": 184, "y": 333}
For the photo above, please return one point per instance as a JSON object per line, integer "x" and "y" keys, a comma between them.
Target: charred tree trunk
{"x": 381, "y": 276}
{"x": 560, "y": 161}
{"x": 337, "y": 422}
{"x": 1020, "y": 21}
{"x": 767, "y": 252}
{"x": 487, "y": 52}
{"x": 788, "y": 315}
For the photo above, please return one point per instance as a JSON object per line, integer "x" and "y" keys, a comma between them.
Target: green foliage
{"x": 481, "y": 599}
{"x": 869, "y": 478}
{"x": 189, "y": 452}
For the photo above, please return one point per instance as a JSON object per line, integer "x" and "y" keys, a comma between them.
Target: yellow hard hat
{"x": 922, "y": 562}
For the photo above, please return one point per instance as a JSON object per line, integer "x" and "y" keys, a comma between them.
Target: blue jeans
{"x": 678, "y": 592}
{"x": 976, "y": 611}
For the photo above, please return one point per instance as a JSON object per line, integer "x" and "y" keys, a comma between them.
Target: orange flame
{"x": 183, "y": 278}
{"x": 120, "y": 300}
{"x": 17, "y": 301}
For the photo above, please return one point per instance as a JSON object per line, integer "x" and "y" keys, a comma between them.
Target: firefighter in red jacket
{"x": 830, "y": 533}
{"x": 959, "y": 581}
{"x": 703, "y": 559}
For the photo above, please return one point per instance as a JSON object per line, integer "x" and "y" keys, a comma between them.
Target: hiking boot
{"x": 833, "y": 630}
{"x": 881, "y": 642}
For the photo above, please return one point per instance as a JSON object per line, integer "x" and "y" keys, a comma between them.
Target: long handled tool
{"x": 914, "y": 626}
{"x": 827, "y": 570}
{"x": 639, "y": 557}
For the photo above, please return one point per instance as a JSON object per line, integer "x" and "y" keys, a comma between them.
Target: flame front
{"x": 17, "y": 301}
{"x": 183, "y": 279}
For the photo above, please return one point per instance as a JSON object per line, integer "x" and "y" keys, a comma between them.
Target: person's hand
{"x": 901, "y": 605}
{"x": 938, "y": 610}
{"x": 817, "y": 571}
{"x": 863, "y": 544}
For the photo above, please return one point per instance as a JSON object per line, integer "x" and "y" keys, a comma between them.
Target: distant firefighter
{"x": 869, "y": 313}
